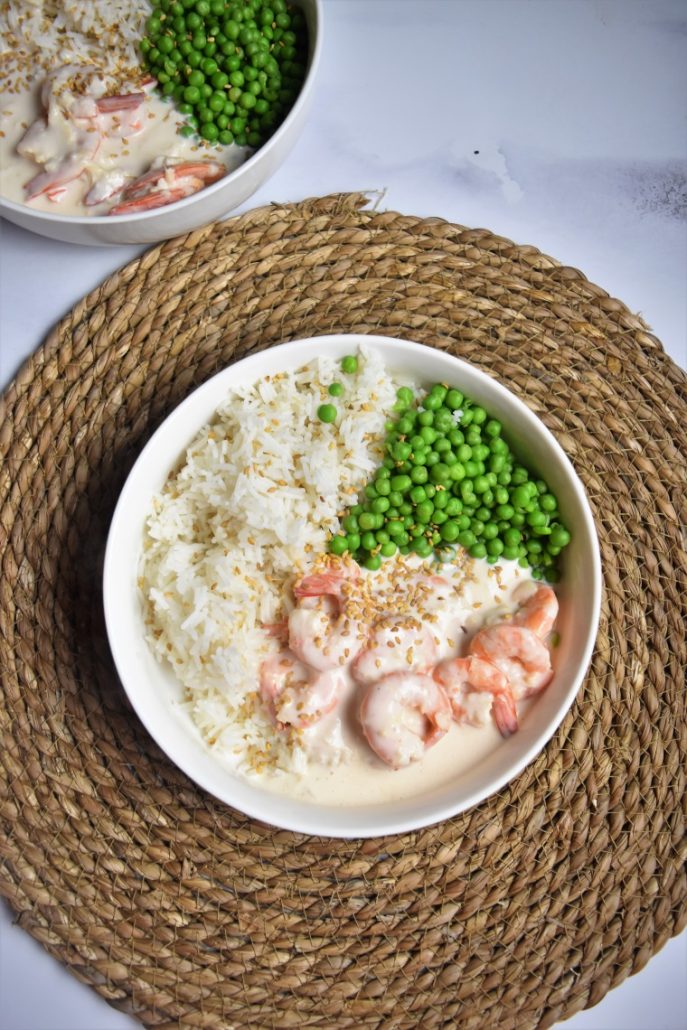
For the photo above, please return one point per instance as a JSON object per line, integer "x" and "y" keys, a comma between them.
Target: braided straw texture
{"x": 184, "y": 912}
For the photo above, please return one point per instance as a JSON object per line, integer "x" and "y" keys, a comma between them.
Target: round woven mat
{"x": 186, "y": 913}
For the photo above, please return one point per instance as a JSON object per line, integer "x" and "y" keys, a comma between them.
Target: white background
{"x": 558, "y": 123}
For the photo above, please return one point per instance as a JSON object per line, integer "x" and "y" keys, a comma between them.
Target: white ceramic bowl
{"x": 153, "y": 690}
{"x": 210, "y": 204}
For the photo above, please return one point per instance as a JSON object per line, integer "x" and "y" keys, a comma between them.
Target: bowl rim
{"x": 308, "y": 817}
{"x": 240, "y": 171}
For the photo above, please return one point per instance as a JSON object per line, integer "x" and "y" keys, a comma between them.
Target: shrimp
{"x": 324, "y": 632}
{"x": 171, "y": 175}
{"x": 155, "y": 199}
{"x": 121, "y": 102}
{"x": 538, "y": 613}
{"x": 477, "y": 688}
{"x": 161, "y": 186}
{"x": 293, "y": 696}
{"x": 335, "y": 583}
{"x": 402, "y": 715}
{"x": 519, "y": 653}
{"x": 399, "y": 643}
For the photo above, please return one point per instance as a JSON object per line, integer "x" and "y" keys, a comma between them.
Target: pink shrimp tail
{"x": 505, "y": 714}
{"x": 49, "y": 182}
{"x": 150, "y": 201}
{"x": 121, "y": 102}
{"x": 277, "y": 630}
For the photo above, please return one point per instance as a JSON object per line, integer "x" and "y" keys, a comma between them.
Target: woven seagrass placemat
{"x": 186, "y": 913}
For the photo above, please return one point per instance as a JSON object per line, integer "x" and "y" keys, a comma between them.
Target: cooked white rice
{"x": 42, "y": 34}
{"x": 253, "y": 503}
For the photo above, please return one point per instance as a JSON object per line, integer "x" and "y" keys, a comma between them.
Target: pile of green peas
{"x": 449, "y": 479}
{"x": 233, "y": 67}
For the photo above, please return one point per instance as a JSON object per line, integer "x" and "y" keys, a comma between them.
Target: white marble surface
{"x": 555, "y": 123}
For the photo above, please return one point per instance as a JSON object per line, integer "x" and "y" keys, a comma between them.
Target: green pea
{"x": 424, "y": 512}
{"x": 440, "y": 473}
{"x": 466, "y": 538}
{"x": 512, "y": 537}
{"x": 210, "y": 132}
{"x": 443, "y": 420}
{"x": 382, "y": 485}
{"x": 380, "y": 504}
{"x": 367, "y": 520}
{"x": 401, "y": 483}
{"x": 422, "y": 547}
{"x": 520, "y": 496}
{"x": 454, "y": 399}
{"x": 401, "y": 451}
{"x": 373, "y": 562}
{"x": 450, "y": 531}
{"x": 560, "y": 537}
{"x": 419, "y": 474}
{"x": 349, "y": 364}
{"x": 326, "y": 413}
{"x": 368, "y": 540}
{"x": 432, "y": 402}
{"x": 338, "y": 545}
{"x": 418, "y": 494}
{"x": 388, "y": 549}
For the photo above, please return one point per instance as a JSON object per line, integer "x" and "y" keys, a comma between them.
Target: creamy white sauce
{"x": 158, "y": 139}
{"x": 343, "y": 769}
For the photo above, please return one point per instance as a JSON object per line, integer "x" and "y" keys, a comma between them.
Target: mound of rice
{"x": 42, "y": 34}
{"x": 250, "y": 507}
